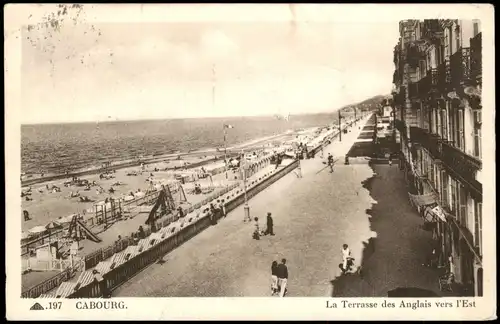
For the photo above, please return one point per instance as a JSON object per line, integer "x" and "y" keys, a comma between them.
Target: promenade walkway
{"x": 393, "y": 258}
{"x": 313, "y": 215}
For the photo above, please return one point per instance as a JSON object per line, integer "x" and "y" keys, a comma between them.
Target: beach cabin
{"x": 154, "y": 239}
{"x": 85, "y": 278}
{"x": 104, "y": 266}
{"x": 65, "y": 289}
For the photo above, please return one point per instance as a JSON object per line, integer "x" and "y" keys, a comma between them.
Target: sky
{"x": 305, "y": 61}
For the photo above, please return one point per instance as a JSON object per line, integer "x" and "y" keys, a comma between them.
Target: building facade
{"x": 437, "y": 100}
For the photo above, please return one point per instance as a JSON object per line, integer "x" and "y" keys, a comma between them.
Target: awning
{"x": 422, "y": 200}
{"x": 433, "y": 212}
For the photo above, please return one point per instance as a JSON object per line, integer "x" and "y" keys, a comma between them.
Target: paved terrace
{"x": 313, "y": 215}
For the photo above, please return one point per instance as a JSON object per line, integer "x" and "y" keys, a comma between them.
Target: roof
{"x": 104, "y": 266}
{"x": 85, "y": 278}
{"x": 131, "y": 249}
{"x": 51, "y": 294}
{"x": 119, "y": 258}
{"x": 65, "y": 289}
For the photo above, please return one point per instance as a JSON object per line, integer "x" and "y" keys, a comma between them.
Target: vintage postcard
{"x": 250, "y": 161}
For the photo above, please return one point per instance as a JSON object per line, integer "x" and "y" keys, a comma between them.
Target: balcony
{"x": 444, "y": 77}
{"x": 429, "y": 84}
{"x": 400, "y": 126}
{"x": 432, "y": 31}
{"x": 413, "y": 92}
{"x": 460, "y": 65}
{"x": 431, "y": 142}
{"x": 463, "y": 167}
{"x": 476, "y": 59}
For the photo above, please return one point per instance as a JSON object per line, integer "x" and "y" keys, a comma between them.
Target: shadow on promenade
{"x": 393, "y": 259}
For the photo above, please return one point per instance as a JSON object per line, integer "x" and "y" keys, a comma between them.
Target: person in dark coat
{"x": 269, "y": 229}
{"x": 282, "y": 272}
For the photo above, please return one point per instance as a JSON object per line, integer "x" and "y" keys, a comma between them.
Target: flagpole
{"x": 225, "y": 150}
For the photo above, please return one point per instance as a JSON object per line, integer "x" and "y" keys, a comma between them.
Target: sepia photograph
{"x": 292, "y": 152}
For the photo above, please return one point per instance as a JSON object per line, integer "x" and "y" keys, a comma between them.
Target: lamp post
{"x": 245, "y": 207}
{"x": 340, "y": 127}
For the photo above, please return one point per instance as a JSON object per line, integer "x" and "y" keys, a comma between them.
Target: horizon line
{"x": 191, "y": 117}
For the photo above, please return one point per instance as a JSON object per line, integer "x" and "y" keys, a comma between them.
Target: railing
{"x": 444, "y": 75}
{"x": 48, "y": 284}
{"x": 431, "y": 142}
{"x": 432, "y": 30}
{"x": 429, "y": 83}
{"x": 476, "y": 58}
{"x": 151, "y": 253}
{"x": 463, "y": 167}
{"x": 460, "y": 67}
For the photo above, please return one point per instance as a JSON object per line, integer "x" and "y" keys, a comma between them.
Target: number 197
{"x": 55, "y": 305}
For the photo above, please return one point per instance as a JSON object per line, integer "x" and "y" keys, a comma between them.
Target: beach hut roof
{"x": 131, "y": 249}
{"x": 85, "y": 278}
{"x": 51, "y": 294}
{"x": 37, "y": 229}
{"x": 65, "y": 289}
{"x": 119, "y": 258}
{"x": 103, "y": 267}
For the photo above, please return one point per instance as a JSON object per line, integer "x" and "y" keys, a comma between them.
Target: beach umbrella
{"x": 37, "y": 230}
{"x": 53, "y": 225}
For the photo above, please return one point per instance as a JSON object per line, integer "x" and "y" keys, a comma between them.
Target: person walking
{"x": 282, "y": 273}
{"x": 346, "y": 254}
{"x": 390, "y": 160}
{"x": 330, "y": 162}
{"x": 274, "y": 278}
{"x": 256, "y": 232}
{"x": 269, "y": 229}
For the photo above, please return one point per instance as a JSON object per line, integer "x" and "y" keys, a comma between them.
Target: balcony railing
{"x": 476, "y": 58}
{"x": 460, "y": 165}
{"x": 463, "y": 167}
{"x": 460, "y": 68}
{"x": 429, "y": 84}
{"x": 444, "y": 77}
{"x": 431, "y": 142}
{"x": 400, "y": 126}
{"x": 432, "y": 30}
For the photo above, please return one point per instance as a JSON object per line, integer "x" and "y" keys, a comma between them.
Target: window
{"x": 460, "y": 130}
{"x": 446, "y": 43}
{"x": 454, "y": 198}
{"x": 462, "y": 205}
{"x": 477, "y": 134}
{"x": 439, "y": 126}
{"x": 452, "y": 126}
{"x": 478, "y": 226}
{"x": 444, "y": 124}
{"x": 444, "y": 189}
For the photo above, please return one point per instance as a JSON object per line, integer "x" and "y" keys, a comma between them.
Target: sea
{"x": 56, "y": 148}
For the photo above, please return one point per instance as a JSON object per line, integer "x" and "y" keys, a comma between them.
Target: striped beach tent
{"x": 104, "y": 266}
{"x": 154, "y": 239}
{"x": 51, "y": 294}
{"x": 65, "y": 289}
{"x": 118, "y": 259}
{"x": 85, "y": 278}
